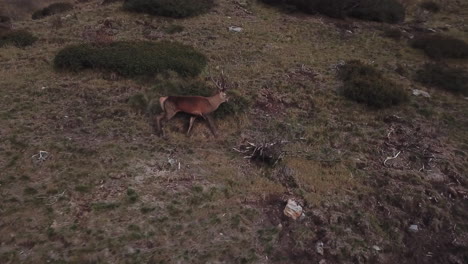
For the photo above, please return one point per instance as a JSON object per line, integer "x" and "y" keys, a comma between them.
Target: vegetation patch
{"x": 52, "y": 9}
{"x": 173, "y": 29}
{"x": 169, "y": 8}
{"x": 365, "y": 84}
{"x": 17, "y": 38}
{"x": 389, "y": 11}
{"x": 132, "y": 59}
{"x": 444, "y": 77}
{"x": 430, "y": 6}
{"x": 440, "y": 46}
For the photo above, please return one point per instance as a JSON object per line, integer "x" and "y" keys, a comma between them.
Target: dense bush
{"x": 169, "y": 8}
{"x": 133, "y": 58}
{"x": 365, "y": 84}
{"x": 393, "y": 33}
{"x": 444, "y": 77}
{"x": 430, "y": 6}
{"x": 52, "y": 9}
{"x": 237, "y": 104}
{"x": 18, "y": 38}
{"x": 390, "y": 11}
{"x": 440, "y": 46}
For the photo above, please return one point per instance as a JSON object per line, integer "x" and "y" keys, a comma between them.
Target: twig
{"x": 391, "y": 158}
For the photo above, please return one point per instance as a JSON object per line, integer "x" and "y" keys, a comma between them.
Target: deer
{"x": 195, "y": 106}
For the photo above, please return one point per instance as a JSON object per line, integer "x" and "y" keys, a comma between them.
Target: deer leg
{"x": 192, "y": 119}
{"x": 211, "y": 124}
{"x": 157, "y": 122}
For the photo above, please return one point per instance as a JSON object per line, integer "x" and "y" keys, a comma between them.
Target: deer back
{"x": 196, "y": 105}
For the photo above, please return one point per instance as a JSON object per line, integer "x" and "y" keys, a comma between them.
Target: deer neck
{"x": 215, "y": 101}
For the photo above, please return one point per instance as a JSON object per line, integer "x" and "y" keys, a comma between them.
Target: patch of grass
{"x": 30, "y": 191}
{"x": 172, "y": 29}
{"x": 393, "y": 33}
{"x": 132, "y": 195}
{"x": 103, "y": 206}
{"x": 17, "y": 38}
{"x": 444, "y": 77}
{"x": 139, "y": 103}
{"x": 169, "y": 8}
{"x": 83, "y": 188}
{"x": 52, "y": 9}
{"x": 441, "y": 46}
{"x": 132, "y": 59}
{"x": 365, "y": 84}
{"x": 430, "y": 6}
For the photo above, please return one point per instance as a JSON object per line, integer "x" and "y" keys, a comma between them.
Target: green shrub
{"x": 18, "y": 38}
{"x": 389, "y": 11}
{"x": 365, "y": 84}
{"x": 430, "y": 6}
{"x": 440, "y": 46}
{"x": 169, "y": 8}
{"x": 444, "y": 77}
{"x": 237, "y": 104}
{"x": 132, "y": 59}
{"x": 139, "y": 102}
{"x": 52, "y": 9}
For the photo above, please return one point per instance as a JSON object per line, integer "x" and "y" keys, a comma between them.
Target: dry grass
{"x": 212, "y": 209}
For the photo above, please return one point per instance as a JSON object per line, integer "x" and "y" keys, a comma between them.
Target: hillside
{"x": 84, "y": 178}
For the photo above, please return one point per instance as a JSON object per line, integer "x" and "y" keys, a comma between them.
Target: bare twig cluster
{"x": 267, "y": 152}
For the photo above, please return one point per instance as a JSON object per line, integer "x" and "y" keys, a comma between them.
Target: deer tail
{"x": 162, "y": 100}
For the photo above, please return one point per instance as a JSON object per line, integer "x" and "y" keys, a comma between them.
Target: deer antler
{"x": 221, "y": 83}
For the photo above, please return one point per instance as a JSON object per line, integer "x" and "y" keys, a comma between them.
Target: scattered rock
{"x": 417, "y": 92}
{"x": 376, "y": 248}
{"x": 413, "y": 228}
{"x": 293, "y": 210}
{"x": 235, "y": 29}
{"x": 319, "y": 247}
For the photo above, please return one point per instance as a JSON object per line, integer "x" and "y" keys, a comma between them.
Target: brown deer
{"x": 196, "y": 106}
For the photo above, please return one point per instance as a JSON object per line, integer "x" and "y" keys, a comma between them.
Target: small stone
{"x": 376, "y": 248}
{"x": 292, "y": 209}
{"x": 323, "y": 261}
{"x": 319, "y": 247}
{"x": 413, "y": 228}
{"x": 235, "y": 29}
{"x": 417, "y": 92}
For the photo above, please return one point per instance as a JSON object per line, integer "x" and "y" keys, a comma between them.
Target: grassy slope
{"x": 75, "y": 206}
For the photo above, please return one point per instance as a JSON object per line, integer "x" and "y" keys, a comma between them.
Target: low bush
{"x": 444, "y": 77}
{"x": 18, "y": 38}
{"x": 52, "y": 9}
{"x": 440, "y": 46}
{"x": 133, "y": 59}
{"x": 389, "y": 11}
{"x": 365, "y": 84}
{"x": 169, "y": 8}
{"x": 430, "y": 6}
{"x": 237, "y": 104}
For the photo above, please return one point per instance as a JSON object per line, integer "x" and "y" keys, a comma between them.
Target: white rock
{"x": 417, "y": 92}
{"x": 235, "y": 29}
{"x": 292, "y": 209}
{"x": 376, "y": 248}
{"x": 413, "y": 228}
{"x": 319, "y": 247}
